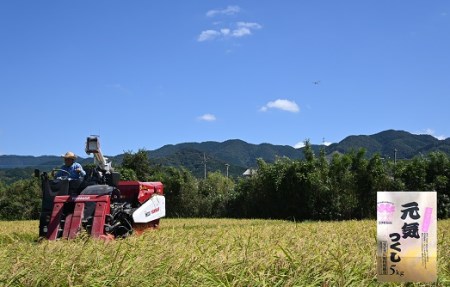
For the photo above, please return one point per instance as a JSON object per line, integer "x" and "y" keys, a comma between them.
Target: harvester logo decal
{"x": 80, "y": 198}
{"x": 151, "y": 212}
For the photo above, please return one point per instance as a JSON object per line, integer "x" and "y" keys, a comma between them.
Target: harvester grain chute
{"x": 100, "y": 203}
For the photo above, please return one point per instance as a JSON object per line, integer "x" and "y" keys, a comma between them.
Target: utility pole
{"x": 204, "y": 163}
{"x": 395, "y": 162}
{"x": 395, "y": 157}
{"x": 227, "y": 165}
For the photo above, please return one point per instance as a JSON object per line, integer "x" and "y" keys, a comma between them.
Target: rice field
{"x": 206, "y": 252}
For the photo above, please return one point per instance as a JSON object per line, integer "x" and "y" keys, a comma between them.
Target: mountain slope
{"x": 391, "y": 143}
{"x": 240, "y": 155}
{"x": 234, "y": 152}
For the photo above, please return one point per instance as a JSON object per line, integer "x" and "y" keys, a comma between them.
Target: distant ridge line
{"x": 241, "y": 155}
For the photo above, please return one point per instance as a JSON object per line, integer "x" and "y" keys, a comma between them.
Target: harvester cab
{"x": 100, "y": 203}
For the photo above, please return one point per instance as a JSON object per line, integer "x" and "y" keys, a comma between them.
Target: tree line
{"x": 318, "y": 187}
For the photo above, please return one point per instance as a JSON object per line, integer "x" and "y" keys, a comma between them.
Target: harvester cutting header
{"x": 99, "y": 203}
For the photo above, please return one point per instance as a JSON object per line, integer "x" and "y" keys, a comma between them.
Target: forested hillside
{"x": 312, "y": 188}
{"x": 392, "y": 143}
{"x": 237, "y": 155}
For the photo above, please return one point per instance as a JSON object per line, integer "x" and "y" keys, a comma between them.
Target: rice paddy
{"x": 206, "y": 252}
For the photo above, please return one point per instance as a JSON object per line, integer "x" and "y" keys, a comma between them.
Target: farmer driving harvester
{"x": 70, "y": 168}
{"x": 96, "y": 201}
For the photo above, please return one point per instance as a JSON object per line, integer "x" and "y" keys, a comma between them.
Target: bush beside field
{"x": 206, "y": 252}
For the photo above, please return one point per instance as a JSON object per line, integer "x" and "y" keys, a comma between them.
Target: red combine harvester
{"x": 100, "y": 203}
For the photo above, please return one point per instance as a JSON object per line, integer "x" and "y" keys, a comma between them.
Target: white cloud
{"x": 299, "y": 145}
{"x": 235, "y": 30}
{"x": 208, "y": 35}
{"x": 230, "y": 10}
{"x": 431, "y": 132}
{"x": 249, "y": 25}
{"x": 280, "y": 104}
{"x": 302, "y": 144}
{"x": 244, "y": 29}
{"x": 207, "y": 118}
{"x": 241, "y": 32}
{"x": 240, "y": 29}
{"x": 225, "y": 31}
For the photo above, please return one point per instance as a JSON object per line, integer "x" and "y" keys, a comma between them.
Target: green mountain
{"x": 237, "y": 155}
{"x": 392, "y": 143}
{"x": 234, "y": 152}
{"x": 197, "y": 162}
{"x": 17, "y": 161}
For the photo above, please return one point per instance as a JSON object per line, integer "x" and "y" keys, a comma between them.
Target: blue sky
{"x": 143, "y": 74}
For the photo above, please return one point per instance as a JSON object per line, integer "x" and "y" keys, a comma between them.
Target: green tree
{"x": 264, "y": 186}
{"x": 343, "y": 187}
{"x": 139, "y": 163}
{"x": 377, "y": 179}
{"x": 438, "y": 172}
{"x": 414, "y": 174}
{"x": 438, "y": 179}
{"x": 362, "y": 186}
{"x": 181, "y": 191}
{"x": 290, "y": 199}
{"x": 21, "y": 200}
{"x": 127, "y": 174}
{"x": 216, "y": 191}
{"x": 320, "y": 195}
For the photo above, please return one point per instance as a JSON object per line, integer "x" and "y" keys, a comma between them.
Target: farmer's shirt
{"x": 72, "y": 170}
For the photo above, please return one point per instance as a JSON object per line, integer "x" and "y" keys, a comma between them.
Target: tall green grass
{"x": 206, "y": 252}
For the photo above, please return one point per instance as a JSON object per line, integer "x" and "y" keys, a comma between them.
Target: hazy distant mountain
{"x": 240, "y": 155}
